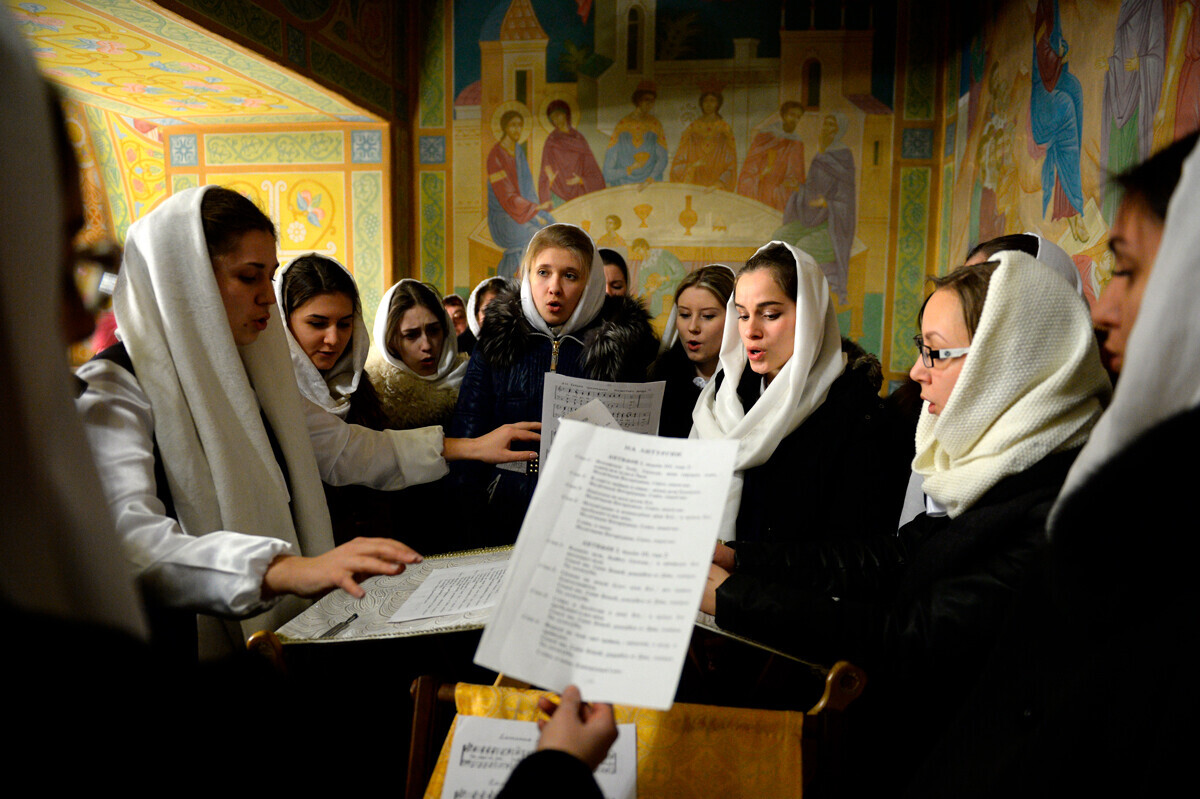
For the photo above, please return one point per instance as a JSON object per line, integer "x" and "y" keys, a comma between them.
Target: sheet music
{"x": 636, "y": 407}
{"x": 486, "y": 750}
{"x": 454, "y": 590}
{"x": 606, "y": 576}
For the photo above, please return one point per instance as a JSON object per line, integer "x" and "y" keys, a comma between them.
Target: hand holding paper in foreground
{"x": 716, "y": 576}
{"x": 577, "y": 728}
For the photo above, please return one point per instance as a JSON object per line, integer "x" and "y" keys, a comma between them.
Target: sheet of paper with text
{"x": 606, "y": 576}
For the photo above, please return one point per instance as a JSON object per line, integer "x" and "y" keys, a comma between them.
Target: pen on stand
{"x": 337, "y": 628}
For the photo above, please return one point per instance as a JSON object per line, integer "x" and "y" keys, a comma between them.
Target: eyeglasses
{"x": 929, "y": 355}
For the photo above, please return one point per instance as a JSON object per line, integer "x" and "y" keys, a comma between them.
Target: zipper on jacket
{"x": 554, "y": 355}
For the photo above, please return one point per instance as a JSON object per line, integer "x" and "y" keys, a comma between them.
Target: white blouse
{"x": 222, "y": 572}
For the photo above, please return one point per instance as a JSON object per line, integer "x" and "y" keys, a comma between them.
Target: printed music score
{"x": 636, "y": 407}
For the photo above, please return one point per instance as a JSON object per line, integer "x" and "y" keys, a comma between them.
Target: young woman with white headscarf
{"x": 1012, "y": 387}
{"x": 1092, "y": 690}
{"x": 210, "y": 460}
{"x": 559, "y": 321}
{"x": 482, "y": 295}
{"x": 803, "y": 405}
{"x": 415, "y": 366}
{"x": 328, "y": 338}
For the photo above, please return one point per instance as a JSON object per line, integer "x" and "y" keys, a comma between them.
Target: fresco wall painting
{"x": 672, "y": 150}
{"x": 157, "y": 105}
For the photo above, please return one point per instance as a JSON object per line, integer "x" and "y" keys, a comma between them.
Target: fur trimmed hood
{"x": 617, "y": 345}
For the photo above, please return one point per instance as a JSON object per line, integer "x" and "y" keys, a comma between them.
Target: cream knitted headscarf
{"x": 449, "y": 373}
{"x": 798, "y": 390}
{"x": 1031, "y": 385}
{"x": 332, "y": 388}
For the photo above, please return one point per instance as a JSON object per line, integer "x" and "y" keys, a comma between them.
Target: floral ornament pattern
{"x": 296, "y": 231}
{"x": 310, "y": 207}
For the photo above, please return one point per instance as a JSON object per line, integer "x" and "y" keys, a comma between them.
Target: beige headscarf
{"x": 332, "y": 388}
{"x": 1032, "y": 385}
{"x": 58, "y": 552}
{"x": 798, "y": 390}
{"x": 450, "y": 370}
{"x": 207, "y": 395}
{"x": 1161, "y": 376}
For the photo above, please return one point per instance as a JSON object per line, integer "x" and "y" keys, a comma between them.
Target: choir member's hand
{"x": 338, "y": 568}
{"x": 577, "y": 728}
{"x": 716, "y": 576}
{"x": 496, "y": 446}
{"x": 724, "y": 556}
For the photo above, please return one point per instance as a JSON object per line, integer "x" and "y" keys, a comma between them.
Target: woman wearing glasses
{"x": 1012, "y": 387}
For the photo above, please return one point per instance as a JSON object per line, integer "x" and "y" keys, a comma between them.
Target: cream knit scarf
{"x": 1031, "y": 385}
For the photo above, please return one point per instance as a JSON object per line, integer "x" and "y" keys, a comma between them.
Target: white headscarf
{"x": 1057, "y": 259}
{"x": 209, "y": 395}
{"x": 1032, "y": 385}
{"x": 332, "y": 388}
{"x": 589, "y": 304}
{"x": 58, "y": 552}
{"x": 798, "y": 390}
{"x": 1161, "y": 375}
{"x": 473, "y": 303}
{"x": 671, "y": 331}
{"x": 449, "y": 373}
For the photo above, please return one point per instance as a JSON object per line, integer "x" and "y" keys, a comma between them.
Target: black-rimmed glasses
{"x": 929, "y": 355}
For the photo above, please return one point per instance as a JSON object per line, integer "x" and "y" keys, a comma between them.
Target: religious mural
{"x": 1101, "y": 86}
{"x": 678, "y": 133}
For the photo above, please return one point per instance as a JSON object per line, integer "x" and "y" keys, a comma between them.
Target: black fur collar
{"x": 618, "y": 345}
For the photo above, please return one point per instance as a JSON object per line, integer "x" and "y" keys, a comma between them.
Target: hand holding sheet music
{"x": 606, "y": 576}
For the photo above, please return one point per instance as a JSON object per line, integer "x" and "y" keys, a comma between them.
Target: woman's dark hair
{"x": 1154, "y": 180}
{"x": 614, "y": 258}
{"x": 227, "y": 216}
{"x": 789, "y": 105}
{"x": 556, "y": 106}
{"x": 717, "y": 280}
{"x": 311, "y": 276}
{"x": 455, "y": 300}
{"x": 639, "y": 94}
{"x": 493, "y": 286}
{"x": 408, "y": 295}
{"x": 778, "y": 259}
{"x": 1023, "y": 242}
{"x": 970, "y": 284}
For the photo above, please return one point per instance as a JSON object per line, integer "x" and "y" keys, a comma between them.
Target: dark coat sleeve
{"x": 936, "y": 592}
{"x": 551, "y": 773}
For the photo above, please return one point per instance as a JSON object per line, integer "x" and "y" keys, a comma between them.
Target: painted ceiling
{"x": 138, "y": 60}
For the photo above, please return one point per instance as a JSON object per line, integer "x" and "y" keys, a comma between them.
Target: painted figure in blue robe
{"x": 636, "y": 152}
{"x": 1056, "y": 117}
{"x": 514, "y": 214}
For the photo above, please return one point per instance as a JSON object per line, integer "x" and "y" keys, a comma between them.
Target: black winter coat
{"x": 680, "y": 393}
{"x": 504, "y": 382}
{"x": 1092, "y": 690}
{"x": 850, "y": 446}
{"x": 919, "y": 609}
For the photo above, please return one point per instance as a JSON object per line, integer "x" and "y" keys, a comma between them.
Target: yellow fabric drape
{"x": 688, "y": 751}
